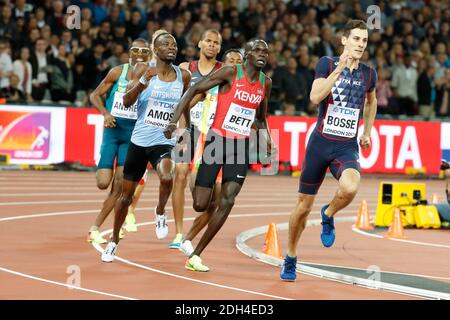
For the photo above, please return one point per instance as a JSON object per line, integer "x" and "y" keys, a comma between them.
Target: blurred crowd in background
{"x": 42, "y": 61}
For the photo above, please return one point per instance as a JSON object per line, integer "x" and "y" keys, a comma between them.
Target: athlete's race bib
{"x": 239, "y": 120}
{"x": 118, "y": 109}
{"x": 158, "y": 113}
{"x": 196, "y": 113}
{"x": 341, "y": 121}
{"x": 209, "y": 112}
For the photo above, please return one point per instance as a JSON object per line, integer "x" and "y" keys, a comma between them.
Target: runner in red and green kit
{"x": 244, "y": 92}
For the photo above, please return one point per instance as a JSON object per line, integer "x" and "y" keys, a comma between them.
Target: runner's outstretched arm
{"x": 96, "y": 96}
{"x": 224, "y": 74}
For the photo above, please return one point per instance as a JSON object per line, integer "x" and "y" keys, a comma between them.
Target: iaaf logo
{"x": 346, "y": 111}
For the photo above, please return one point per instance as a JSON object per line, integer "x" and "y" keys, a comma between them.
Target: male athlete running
{"x": 244, "y": 92}
{"x": 343, "y": 87}
{"x": 119, "y": 123}
{"x": 157, "y": 93}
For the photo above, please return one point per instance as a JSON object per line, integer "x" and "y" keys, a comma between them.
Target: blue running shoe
{"x": 327, "y": 236}
{"x": 288, "y": 270}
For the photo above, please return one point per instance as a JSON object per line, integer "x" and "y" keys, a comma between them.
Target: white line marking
{"x": 100, "y": 249}
{"x": 335, "y": 276}
{"x": 384, "y": 271}
{"x": 64, "y": 284}
{"x": 428, "y": 244}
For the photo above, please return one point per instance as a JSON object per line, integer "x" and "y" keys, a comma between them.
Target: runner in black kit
{"x": 343, "y": 88}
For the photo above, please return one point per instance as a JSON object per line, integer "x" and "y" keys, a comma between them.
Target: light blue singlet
{"x": 156, "y": 106}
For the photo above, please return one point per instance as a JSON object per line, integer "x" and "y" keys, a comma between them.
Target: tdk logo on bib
{"x": 243, "y": 111}
{"x": 346, "y": 111}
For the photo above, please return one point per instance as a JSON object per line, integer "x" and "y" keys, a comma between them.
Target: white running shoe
{"x": 162, "y": 229}
{"x": 186, "y": 248}
{"x": 110, "y": 252}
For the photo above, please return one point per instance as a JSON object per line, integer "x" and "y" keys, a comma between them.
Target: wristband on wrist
{"x": 143, "y": 81}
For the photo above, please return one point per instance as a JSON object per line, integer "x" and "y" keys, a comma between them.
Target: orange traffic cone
{"x": 435, "y": 199}
{"x": 396, "y": 228}
{"x": 272, "y": 243}
{"x": 363, "y": 221}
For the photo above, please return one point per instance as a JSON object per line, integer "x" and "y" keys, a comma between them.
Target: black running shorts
{"x": 232, "y": 155}
{"x": 138, "y": 157}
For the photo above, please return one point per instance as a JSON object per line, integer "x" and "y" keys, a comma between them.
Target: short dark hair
{"x": 141, "y": 40}
{"x": 250, "y": 44}
{"x": 162, "y": 34}
{"x": 230, "y": 51}
{"x": 354, "y": 24}
{"x": 212, "y": 31}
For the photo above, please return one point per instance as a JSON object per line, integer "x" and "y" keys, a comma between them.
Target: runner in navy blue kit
{"x": 343, "y": 88}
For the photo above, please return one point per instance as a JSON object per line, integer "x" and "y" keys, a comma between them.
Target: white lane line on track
{"x": 244, "y": 236}
{"x": 132, "y": 263}
{"x": 20, "y": 274}
{"x": 393, "y": 272}
{"x": 99, "y": 248}
{"x": 428, "y": 244}
{"x": 68, "y": 213}
{"x": 102, "y": 198}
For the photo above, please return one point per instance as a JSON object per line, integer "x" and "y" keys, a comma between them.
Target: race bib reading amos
{"x": 158, "y": 113}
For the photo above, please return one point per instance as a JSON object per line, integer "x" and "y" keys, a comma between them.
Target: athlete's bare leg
{"x": 104, "y": 177}
{"x": 137, "y": 195}
{"x": 121, "y": 206}
{"x": 297, "y": 221}
{"x": 227, "y": 197}
{"x": 348, "y": 187}
{"x": 202, "y": 220}
{"x": 165, "y": 170}
{"x": 108, "y": 204}
{"x": 178, "y": 197}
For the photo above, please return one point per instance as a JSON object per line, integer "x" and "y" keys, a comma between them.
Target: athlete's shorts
{"x": 201, "y": 141}
{"x": 321, "y": 154}
{"x": 114, "y": 144}
{"x": 230, "y": 155}
{"x": 138, "y": 156}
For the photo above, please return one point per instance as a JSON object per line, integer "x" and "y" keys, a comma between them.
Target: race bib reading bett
{"x": 158, "y": 113}
{"x": 119, "y": 110}
{"x": 239, "y": 120}
{"x": 341, "y": 121}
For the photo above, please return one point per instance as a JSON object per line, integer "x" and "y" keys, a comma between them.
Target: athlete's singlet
{"x": 197, "y": 111}
{"x": 156, "y": 106}
{"x": 333, "y": 143}
{"x": 115, "y": 140}
{"x": 125, "y": 117}
{"x": 340, "y": 112}
{"x": 236, "y": 108}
